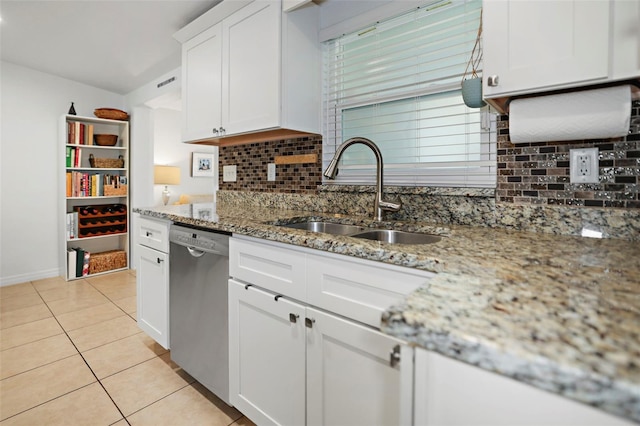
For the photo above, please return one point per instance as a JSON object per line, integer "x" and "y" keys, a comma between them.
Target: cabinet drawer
{"x": 270, "y": 266}
{"x": 153, "y": 233}
{"x": 359, "y": 289}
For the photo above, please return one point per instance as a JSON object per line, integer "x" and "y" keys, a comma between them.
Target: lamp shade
{"x": 166, "y": 175}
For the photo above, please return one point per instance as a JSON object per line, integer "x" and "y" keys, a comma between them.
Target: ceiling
{"x": 116, "y": 45}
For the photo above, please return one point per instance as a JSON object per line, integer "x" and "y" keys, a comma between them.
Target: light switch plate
{"x": 271, "y": 171}
{"x": 229, "y": 173}
{"x": 584, "y": 165}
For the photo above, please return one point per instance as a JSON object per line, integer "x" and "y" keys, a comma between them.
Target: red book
{"x": 72, "y": 133}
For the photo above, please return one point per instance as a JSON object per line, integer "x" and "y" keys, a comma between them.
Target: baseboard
{"x": 32, "y": 276}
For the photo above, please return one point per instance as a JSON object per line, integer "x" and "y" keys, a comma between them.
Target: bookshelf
{"x": 94, "y": 194}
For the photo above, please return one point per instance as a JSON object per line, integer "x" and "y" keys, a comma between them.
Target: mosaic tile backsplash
{"x": 252, "y": 160}
{"x": 538, "y": 173}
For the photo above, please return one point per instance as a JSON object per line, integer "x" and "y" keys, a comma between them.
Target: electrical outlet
{"x": 271, "y": 171}
{"x": 584, "y": 165}
{"x": 229, "y": 173}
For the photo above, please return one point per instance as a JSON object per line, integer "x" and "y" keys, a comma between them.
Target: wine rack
{"x": 99, "y": 220}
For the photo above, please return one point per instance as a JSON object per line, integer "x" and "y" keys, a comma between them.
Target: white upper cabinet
{"x": 534, "y": 46}
{"x": 251, "y": 72}
{"x": 250, "y": 69}
{"x": 202, "y": 84}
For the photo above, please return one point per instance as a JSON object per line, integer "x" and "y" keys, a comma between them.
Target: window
{"x": 398, "y": 84}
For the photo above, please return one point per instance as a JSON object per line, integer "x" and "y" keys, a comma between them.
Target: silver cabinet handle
{"x": 293, "y": 318}
{"x": 308, "y": 322}
{"x": 222, "y": 130}
{"x": 215, "y": 131}
{"x": 394, "y": 356}
{"x": 493, "y": 80}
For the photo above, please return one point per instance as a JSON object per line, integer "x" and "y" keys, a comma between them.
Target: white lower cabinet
{"x": 350, "y": 379}
{"x": 281, "y": 351}
{"x": 152, "y": 278}
{"x": 266, "y": 356}
{"x": 292, "y": 361}
{"x": 450, "y": 392}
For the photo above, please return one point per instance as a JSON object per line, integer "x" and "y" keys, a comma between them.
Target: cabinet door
{"x": 201, "y": 85}
{"x": 533, "y": 45}
{"x": 349, "y": 377}
{"x": 450, "y": 392}
{"x": 152, "y": 281}
{"x": 266, "y": 356}
{"x": 251, "y": 73}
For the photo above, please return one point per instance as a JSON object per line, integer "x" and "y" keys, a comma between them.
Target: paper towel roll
{"x": 587, "y": 114}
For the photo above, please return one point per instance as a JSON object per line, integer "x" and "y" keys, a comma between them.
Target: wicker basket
{"x": 106, "y": 163}
{"x": 107, "y": 261}
{"x": 111, "y": 114}
{"x": 109, "y": 190}
{"x": 105, "y": 140}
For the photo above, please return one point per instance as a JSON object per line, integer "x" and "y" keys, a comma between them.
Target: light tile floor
{"x": 72, "y": 354}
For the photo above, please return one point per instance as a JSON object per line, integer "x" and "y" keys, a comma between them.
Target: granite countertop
{"x": 560, "y": 313}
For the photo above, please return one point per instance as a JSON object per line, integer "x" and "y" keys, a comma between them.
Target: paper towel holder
{"x": 501, "y": 104}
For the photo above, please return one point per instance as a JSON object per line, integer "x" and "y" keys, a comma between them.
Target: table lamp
{"x": 166, "y": 175}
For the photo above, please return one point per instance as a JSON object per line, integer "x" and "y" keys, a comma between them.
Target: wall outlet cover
{"x": 229, "y": 173}
{"x": 584, "y": 165}
{"x": 271, "y": 171}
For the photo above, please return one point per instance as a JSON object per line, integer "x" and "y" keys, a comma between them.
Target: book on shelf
{"x": 71, "y": 263}
{"x": 79, "y": 261}
{"x": 72, "y": 225}
{"x": 79, "y": 133}
{"x": 69, "y": 184}
{"x": 85, "y": 184}
{"x": 77, "y": 158}
{"x": 89, "y": 134}
{"x": 85, "y": 263}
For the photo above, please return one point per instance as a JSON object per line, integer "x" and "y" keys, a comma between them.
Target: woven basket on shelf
{"x": 111, "y": 114}
{"x": 107, "y": 260}
{"x": 106, "y": 163}
{"x": 110, "y": 190}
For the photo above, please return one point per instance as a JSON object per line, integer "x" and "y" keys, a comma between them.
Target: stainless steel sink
{"x": 397, "y": 237}
{"x": 390, "y": 236}
{"x": 326, "y": 227}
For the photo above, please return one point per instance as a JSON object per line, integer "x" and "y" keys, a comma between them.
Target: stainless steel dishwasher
{"x": 198, "y": 309}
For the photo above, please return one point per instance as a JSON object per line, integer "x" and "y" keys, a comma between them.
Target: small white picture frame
{"x": 202, "y": 213}
{"x": 202, "y": 164}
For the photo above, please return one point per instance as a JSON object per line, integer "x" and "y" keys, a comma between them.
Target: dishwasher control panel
{"x": 200, "y": 240}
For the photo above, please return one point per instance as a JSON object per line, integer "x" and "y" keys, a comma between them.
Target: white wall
{"x": 169, "y": 150}
{"x": 31, "y": 106}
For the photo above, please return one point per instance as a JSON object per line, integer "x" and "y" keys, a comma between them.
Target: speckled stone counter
{"x": 561, "y": 313}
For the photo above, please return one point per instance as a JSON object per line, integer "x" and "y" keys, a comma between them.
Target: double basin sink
{"x": 390, "y": 236}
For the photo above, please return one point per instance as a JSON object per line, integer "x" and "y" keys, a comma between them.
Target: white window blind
{"x": 398, "y": 84}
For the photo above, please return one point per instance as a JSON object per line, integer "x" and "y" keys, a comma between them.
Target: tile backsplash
{"x": 538, "y": 173}
{"x": 252, "y": 159}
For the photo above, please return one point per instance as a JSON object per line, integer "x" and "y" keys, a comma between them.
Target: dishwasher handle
{"x": 195, "y": 252}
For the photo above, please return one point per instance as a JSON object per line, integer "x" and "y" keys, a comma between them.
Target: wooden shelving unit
{"x": 101, "y": 188}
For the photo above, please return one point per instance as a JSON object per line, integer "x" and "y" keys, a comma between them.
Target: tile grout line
{"x": 78, "y": 353}
{"x": 84, "y": 360}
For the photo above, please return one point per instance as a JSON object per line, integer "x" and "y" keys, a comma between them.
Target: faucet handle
{"x": 393, "y": 206}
